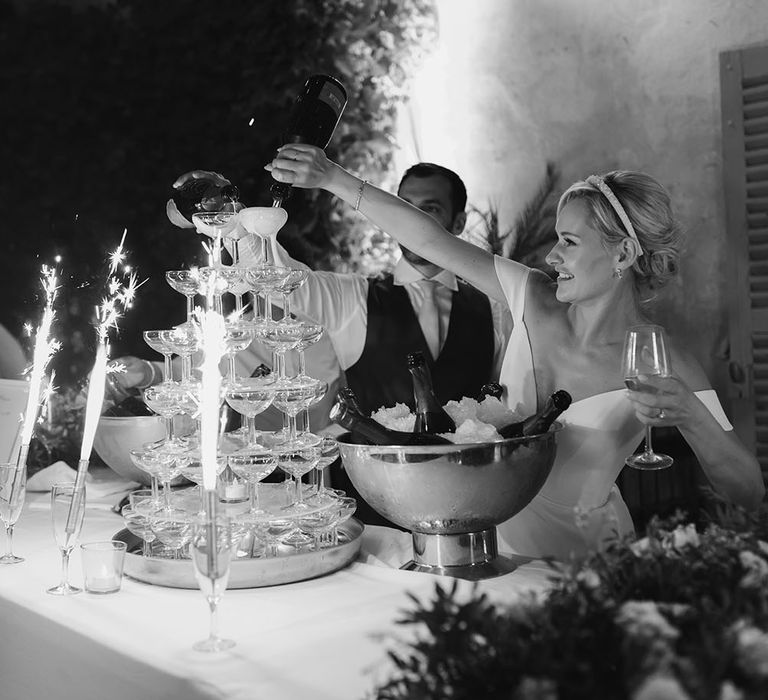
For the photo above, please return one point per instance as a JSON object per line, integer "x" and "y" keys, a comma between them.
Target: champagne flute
{"x": 13, "y": 484}
{"x": 211, "y": 552}
{"x": 645, "y": 353}
{"x": 66, "y": 529}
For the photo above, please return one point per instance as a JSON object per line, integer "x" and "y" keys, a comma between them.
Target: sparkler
{"x": 45, "y": 348}
{"x": 214, "y": 347}
{"x": 119, "y": 297}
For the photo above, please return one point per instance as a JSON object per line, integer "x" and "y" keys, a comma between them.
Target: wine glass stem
{"x": 190, "y": 307}
{"x": 286, "y": 307}
{"x": 252, "y": 496}
{"x": 292, "y": 434}
{"x": 214, "y": 633}
{"x": 264, "y": 250}
{"x": 648, "y": 443}
{"x": 302, "y": 362}
{"x": 186, "y": 368}
{"x": 145, "y": 550}
{"x": 251, "y": 423}
{"x": 167, "y": 494}
{"x": 167, "y": 368}
{"x": 9, "y": 535}
{"x": 231, "y": 368}
{"x": 64, "y": 568}
{"x": 154, "y": 484}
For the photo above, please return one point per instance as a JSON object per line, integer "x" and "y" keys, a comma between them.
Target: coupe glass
{"x": 238, "y": 336}
{"x": 253, "y": 466}
{"x": 645, "y": 353}
{"x": 329, "y": 453}
{"x": 155, "y": 340}
{"x": 265, "y": 222}
{"x": 173, "y": 527}
{"x": 289, "y": 284}
{"x": 67, "y": 512}
{"x": 186, "y": 282}
{"x": 13, "y": 483}
{"x": 264, "y": 280}
{"x": 216, "y": 225}
{"x": 137, "y": 523}
{"x": 184, "y": 340}
{"x": 211, "y": 552}
{"x": 297, "y": 458}
{"x": 250, "y": 397}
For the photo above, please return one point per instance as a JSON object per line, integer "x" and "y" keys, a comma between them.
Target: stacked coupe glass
{"x": 265, "y": 519}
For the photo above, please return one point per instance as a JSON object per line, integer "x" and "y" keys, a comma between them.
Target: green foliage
{"x": 531, "y": 236}
{"x": 681, "y": 608}
{"x": 104, "y": 106}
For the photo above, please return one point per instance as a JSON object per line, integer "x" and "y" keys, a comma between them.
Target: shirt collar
{"x": 405, "y": 273}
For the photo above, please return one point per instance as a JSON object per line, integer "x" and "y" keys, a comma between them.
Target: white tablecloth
{"x": 324, "y": 638}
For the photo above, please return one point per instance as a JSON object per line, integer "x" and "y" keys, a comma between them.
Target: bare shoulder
{"x": 687, "y": 367}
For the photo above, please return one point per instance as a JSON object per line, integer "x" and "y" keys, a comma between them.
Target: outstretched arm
{"x": 306, "y": 166}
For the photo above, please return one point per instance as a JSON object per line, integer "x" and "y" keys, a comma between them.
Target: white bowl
{"x": 116, "y": 436}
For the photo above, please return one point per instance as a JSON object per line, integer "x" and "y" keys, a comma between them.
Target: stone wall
{"x": 592, "y": 85}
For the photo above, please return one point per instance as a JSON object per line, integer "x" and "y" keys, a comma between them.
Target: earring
{"x": 618, "y": 273}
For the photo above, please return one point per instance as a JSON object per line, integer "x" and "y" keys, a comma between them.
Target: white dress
{"x": 579, "y": 507}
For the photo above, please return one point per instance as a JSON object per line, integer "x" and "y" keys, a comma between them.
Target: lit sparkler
{"x": 213, "y": 330}
{"x": 45, "y": 348}
{"x": 119, "y": 297}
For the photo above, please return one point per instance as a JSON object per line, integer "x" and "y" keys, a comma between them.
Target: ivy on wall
{"x": 105, "y": 104}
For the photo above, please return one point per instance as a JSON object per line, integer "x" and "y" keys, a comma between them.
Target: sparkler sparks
{"x": 119, "y": 297}
{"x": 45, "y": 348}
{"x": 213, "y": 346}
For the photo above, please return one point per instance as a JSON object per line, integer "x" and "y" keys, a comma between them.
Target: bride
{"x": 616, "y": 241}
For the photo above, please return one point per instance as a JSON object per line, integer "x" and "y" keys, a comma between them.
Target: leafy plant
{"x": 531, "y": 236}
{"x": 683, "y": 611}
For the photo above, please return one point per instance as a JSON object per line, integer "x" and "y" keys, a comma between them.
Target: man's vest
{"x": 381, "y": 377}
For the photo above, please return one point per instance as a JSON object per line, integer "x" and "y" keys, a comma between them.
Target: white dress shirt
{"x": 339, "y": 302}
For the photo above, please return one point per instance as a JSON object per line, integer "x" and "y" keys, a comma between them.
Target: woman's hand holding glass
{"x": 646, "y": 362}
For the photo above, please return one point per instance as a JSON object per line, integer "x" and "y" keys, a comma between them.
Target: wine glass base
{"x": 11, "y": 559}
{"x": 213, "y": 644}
{"x": 64, "y": 589}
{"x": 649, "y": 462}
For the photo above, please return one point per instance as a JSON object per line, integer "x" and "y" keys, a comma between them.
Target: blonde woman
{"x": 616, "y": 240}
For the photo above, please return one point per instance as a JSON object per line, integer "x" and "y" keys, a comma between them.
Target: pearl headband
{"x": 597, "y": 181}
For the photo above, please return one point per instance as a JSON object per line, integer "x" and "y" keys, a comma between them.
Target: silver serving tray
{"x": 246, "y": 572}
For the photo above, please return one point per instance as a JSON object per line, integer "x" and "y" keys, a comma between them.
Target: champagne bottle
{"x": 312, "y": 119}
{"x": 347, "y": 413}
{"x": 539, "y": 422}
{"x": 200, "y": 194}
{"x": 430, "y": 415}
{"x": 493, "y": 389}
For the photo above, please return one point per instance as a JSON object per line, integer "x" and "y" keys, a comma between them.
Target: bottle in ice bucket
{"x": 312, "y": 119}
{"x": 430, "y": 415}
{"x": 539, "y": 422}
{"x": 347, "y": 413}
{"x": 201, "y": 194}
{"x": 493, "y": 389}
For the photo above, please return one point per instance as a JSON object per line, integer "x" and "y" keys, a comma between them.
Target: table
{"x": 324, "y": 638}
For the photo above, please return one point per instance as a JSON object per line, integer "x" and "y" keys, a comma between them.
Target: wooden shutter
{"x": 744, "y": 106}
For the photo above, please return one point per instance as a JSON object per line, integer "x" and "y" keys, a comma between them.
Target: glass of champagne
{"x": 13, "y": 483}
{"x": 67, "y": 512}
{"x": 211, "y": 552}
{"x": 646, "y": 354}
